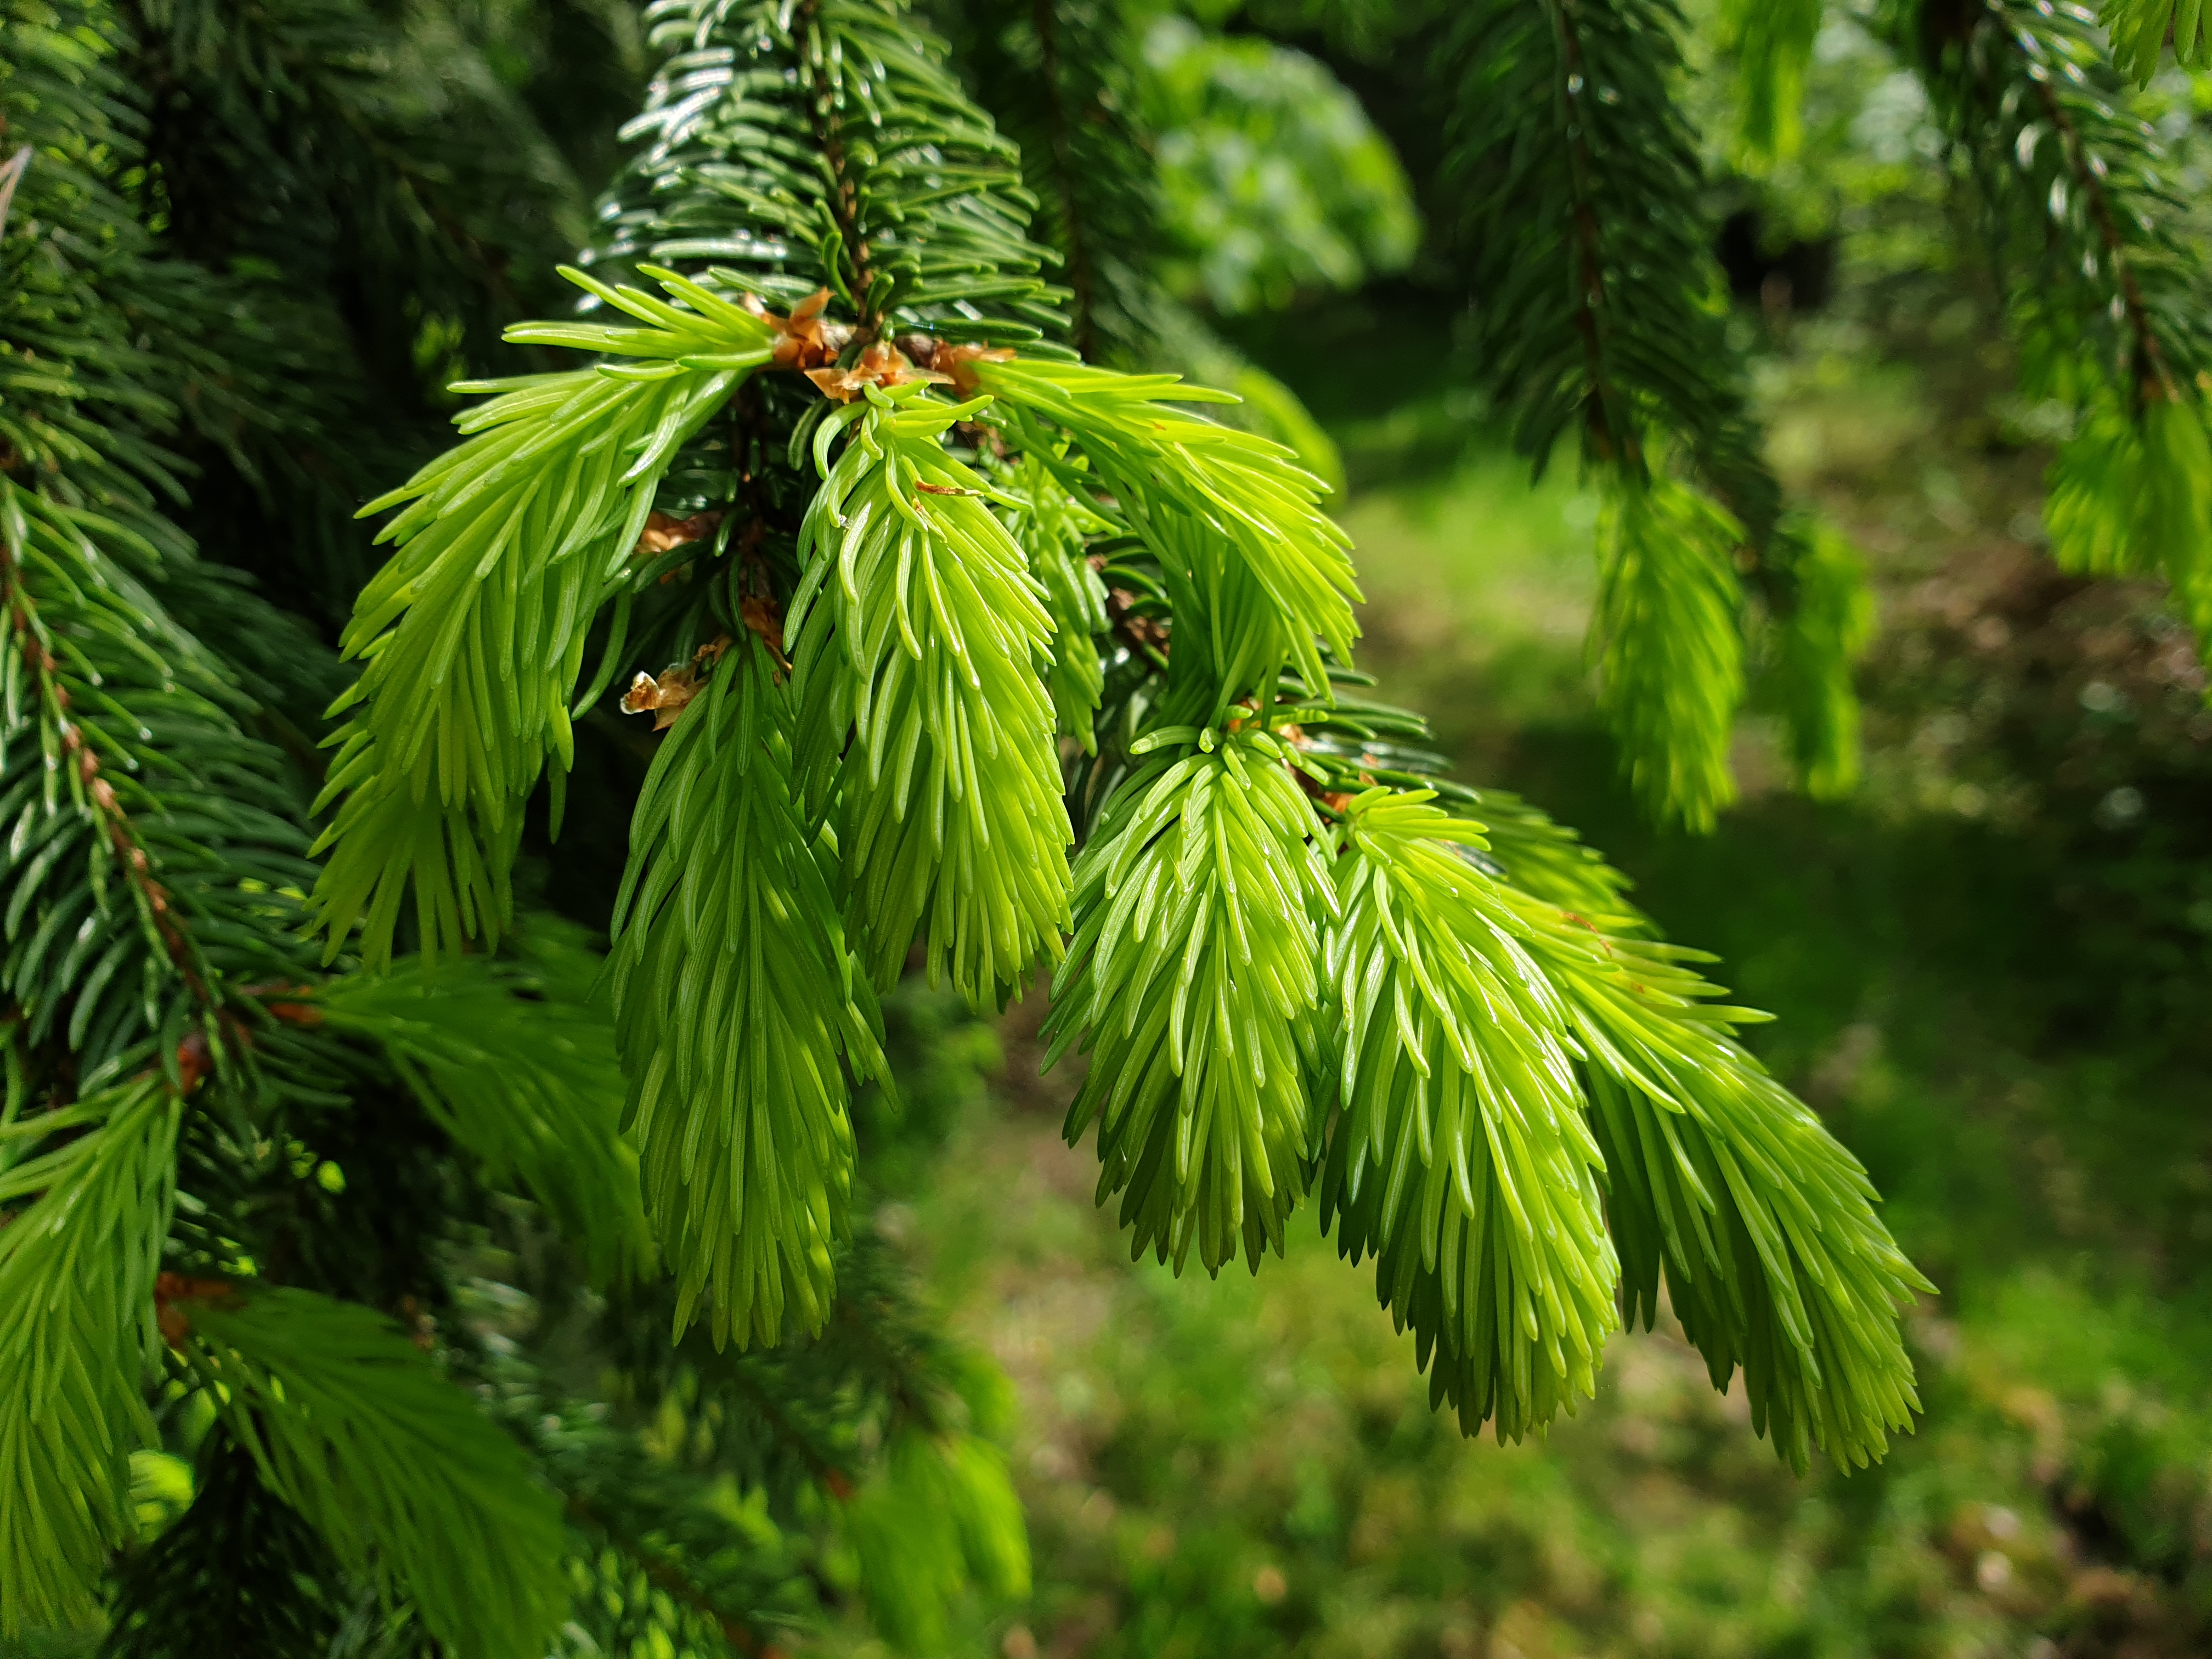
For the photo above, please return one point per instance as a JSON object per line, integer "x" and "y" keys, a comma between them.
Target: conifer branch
{"x": 474, "y": 632}
{"x": 1598, "y": 307}
{"x": 77, "y": 1270}
{"x": 747, "y": 1145}
{"x": 1060, "y": 77}
{"x": 348, "y": 1420}
{"x": 1083, "y": 279}
{"x": 2103, "y": 279}
{"x": 940, "y": 595}
{"x": 2142, "y": 30}
{"x": 1192, "y": 983}
{"x": 740, "y": 1632}
{"x": 129, "y": 720}
{"x": 2153, "y": 382}
{"x": 69, "y": 754}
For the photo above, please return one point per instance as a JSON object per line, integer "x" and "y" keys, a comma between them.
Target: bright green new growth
{"x": 76, "y": 1337}
{"x": 1233, "y": 519}
{"x": 739, "y": 1009}
{"x": 2134, "y": 498}
{"x": 473, "y": 632}
{"x": 1764, "y": 1225}
{"x": 1462, "y": 1161}
{"x": 940, "y": 1513}
{"x": 921, "y": 629}
{"x": 1598, "y": 313}
{"x": 1772, "y": 40}
{"x": 355, "y": 1427}
{"x": 1602, "y": 1052}
{"x": 1284, "y": 959}
{"x": 2141, "y": 29}
{"x": 908, "y": 766}
{"x": 1669, "y": 650}
{"x": 1192, "y": 982}
{"x": 1053, "y": 526}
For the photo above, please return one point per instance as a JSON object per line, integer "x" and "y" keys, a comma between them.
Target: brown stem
{"x": 1610, "y": 444}
{"x": 2154, "y": 383}
{"x": 84, "y": 767}
{"x": 844, "y": 197}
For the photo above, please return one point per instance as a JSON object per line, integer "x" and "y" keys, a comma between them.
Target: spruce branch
{"x": 1053, "y": 528}
{"x": 1262, "y": 575}
{"x": 349, "y": 1422}
{"x": 668, "y": 1568}
{"x": 473, "y": 634}
{"x": 1193, "y": 983}
{"x": 1668, "y": 645}
{"x": 151, "y": 803}
{"x": 825, "y": 144}
{"x": 1711, "y": 1173}
{"x": 1607, "y": 319}
{"x": 2141, "y": 30}
{"x": 77, "y": 1268}
{"x": 1772, "y": 41}
{"x": 1762, "y": 1223}
{"x": 940, "y": 594}
{"x": 2103, "y": 279}
{"x": 510, "y": 1057}
{"x": 920, "y": 628}
{"x": 1461, "y": 1158}
{"x": 1061, "y": 79}
{"x": 727, "y": 929}
{"x": 938, "y": 1515}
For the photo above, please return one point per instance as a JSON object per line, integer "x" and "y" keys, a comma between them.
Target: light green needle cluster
{"x": 1052, "y": 527}
{"x": 940, "y": 1514}
{"x": 473, "y": 633}
{"x": 1234, "y": 520}
{"x": 1027, "y": 602}
{"x": 1193, "y": 981}
{"x": 1773, "y": 42}
{"x": 2134, "y": 498}
{"x": 77, "y": 1265}
{"x": 1462, "y": 996}
{"x": 1539, "y": 855}
{"x": 921, "y": 628}
{"x": 356, "y": 1427}
{"x": 2141, "y": 29}
{"x": 738, "y": 1009}
{"x": 1462, "y": 1162}
{"x": 1763, "y": 1223}
{"x": 1415, "y": 1020}
{"x": 1669, "y": 645}
{"x": 1057, "y": 601}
